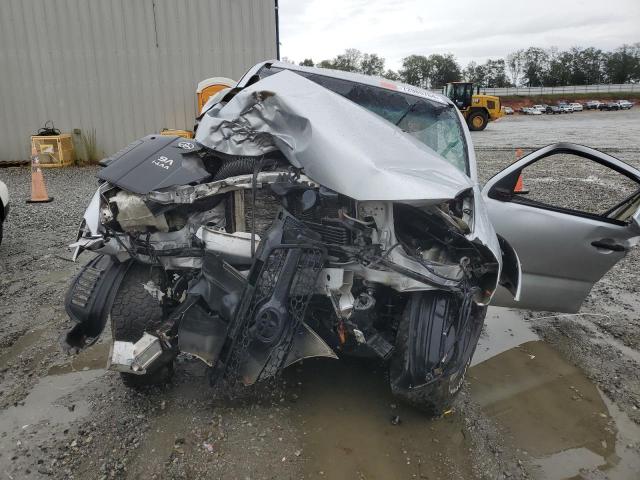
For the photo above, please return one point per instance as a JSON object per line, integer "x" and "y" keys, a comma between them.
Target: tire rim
{"x": 478, "y": 121}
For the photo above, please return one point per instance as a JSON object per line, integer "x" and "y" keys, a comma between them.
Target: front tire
{"x": 135, "y": 311}
{"x": 431, "y": 329}
{"x": 478, "y": 120}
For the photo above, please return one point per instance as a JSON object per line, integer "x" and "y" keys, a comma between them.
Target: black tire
{"x": 427, "y": 319}
{"x": 478, "y": 120}
{"x": 135, "y": 311}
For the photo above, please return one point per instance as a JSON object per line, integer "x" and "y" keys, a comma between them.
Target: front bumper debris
{"x": 137, "y": 358}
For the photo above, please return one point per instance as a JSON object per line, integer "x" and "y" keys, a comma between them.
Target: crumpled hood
{"x": 339, "y": 144}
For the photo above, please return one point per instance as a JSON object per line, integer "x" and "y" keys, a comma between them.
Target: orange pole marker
{"x": 38, "y": 189}
{"x": 519, "y": 188}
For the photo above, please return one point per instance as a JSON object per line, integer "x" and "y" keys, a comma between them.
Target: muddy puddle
{"x": 27, "y": 340}
{"x": 548, "y": 409}
{"x": 93, "y": 358}
{"x": 43, "y": 412}
{"x": 347, "y": 417}
{"x": 344, "y": 414}
{"x": 47, "y": 410}
{"x": 549, "y": 412}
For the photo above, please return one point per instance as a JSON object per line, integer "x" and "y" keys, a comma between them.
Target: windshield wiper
{"x": 449, "y": 147}
{"x": 407, "y": 112}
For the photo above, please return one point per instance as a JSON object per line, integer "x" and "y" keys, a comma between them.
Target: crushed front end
{"x": 264, "y": 242}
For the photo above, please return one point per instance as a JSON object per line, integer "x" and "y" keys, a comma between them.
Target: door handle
{"x": 615, "y": 247}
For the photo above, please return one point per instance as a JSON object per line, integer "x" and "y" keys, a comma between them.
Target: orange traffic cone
{"x": 519, "y": 188}
{"x": 38, "y": 189}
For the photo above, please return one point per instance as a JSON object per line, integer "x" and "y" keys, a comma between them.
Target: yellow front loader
{"x": 477, "y": 109}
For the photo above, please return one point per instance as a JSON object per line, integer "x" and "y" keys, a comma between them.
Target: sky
{"x": 471, "y": 30}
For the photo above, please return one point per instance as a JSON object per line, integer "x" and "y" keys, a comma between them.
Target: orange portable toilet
{"x": 210, "y": 86}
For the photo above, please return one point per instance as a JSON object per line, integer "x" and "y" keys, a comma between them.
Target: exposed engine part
{"x": 336, "y": 283}
{"x": 265, "y": 210}
{"x": 235, "y": 248}
{"x": 155, "y": 291}
{"x": 236, "y": 166}
{"x": 395, "y": 255}
{"x": 192, "y": 193}
{"x": 156, "y": 162}
{"x": 210, "y": 217}
{"x": 134, "y": 215}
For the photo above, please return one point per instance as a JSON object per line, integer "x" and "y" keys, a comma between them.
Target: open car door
{"x": 578, "y": 219}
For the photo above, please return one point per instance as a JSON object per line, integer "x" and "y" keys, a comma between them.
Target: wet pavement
{"x": 549, "y": 411}
{"x": 350, "y": 426}
{"x": 553, "y": 412}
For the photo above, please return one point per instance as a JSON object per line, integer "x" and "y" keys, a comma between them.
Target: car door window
{"x": 575, "y": 184}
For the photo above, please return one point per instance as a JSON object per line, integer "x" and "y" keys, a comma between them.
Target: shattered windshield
{"x": 432, "y": 123}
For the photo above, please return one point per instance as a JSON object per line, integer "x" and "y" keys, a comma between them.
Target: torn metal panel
{"x": 335, "y": 141}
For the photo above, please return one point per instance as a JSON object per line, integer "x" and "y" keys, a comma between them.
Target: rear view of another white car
{"x": 4, "y": 206}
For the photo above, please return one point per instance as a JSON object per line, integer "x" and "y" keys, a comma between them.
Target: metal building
{"x": 125, "y": 68}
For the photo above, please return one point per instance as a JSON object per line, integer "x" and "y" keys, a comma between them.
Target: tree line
{"x": 531, "y": 67}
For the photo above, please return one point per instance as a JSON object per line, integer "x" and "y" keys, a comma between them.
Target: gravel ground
{"x": 612, "y": 131}
{"x": 63, "y": 417}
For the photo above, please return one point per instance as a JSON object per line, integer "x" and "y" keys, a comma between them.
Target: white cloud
{"x": 471, "y": 30}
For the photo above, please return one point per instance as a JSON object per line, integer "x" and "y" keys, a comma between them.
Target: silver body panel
{"x": 559, "y": 263}
{"x": 338, "y": 145}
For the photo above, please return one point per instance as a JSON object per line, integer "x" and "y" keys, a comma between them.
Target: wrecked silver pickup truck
{"x": 324, "y": 213}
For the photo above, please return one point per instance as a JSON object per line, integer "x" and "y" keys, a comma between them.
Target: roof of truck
{"x": 374, "y": 81}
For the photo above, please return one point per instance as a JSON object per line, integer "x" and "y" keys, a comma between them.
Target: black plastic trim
{"x": 89, "y": 300}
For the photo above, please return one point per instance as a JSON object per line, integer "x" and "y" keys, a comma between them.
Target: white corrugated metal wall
{"x": 125, "y": 68}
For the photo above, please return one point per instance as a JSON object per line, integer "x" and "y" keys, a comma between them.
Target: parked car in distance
{"x": 565, "y": 108}
{"x": 625, "y": 104}
{"x": 553, "y": 109}
{"x": 540, "y": 108}
{"x": 593, "y": 104}
{"x": 609, "y": 106}
{"x": 507, "y": 110}
{"x": 577, "y": 107}
{"x": 4, "y": 206}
